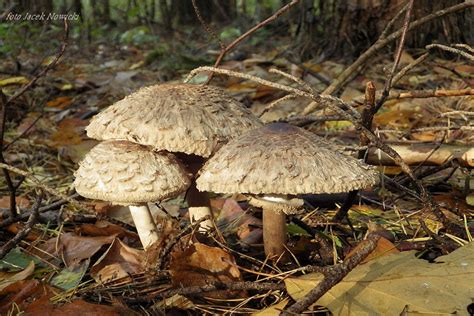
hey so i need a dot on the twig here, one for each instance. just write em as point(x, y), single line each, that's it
point(389, 25)
point(41, 185)
point(367, 118)
point(388, 82)
point(451, 50)
point(259, 286)
point(25, 213)
point(207, 27)
point(232, 45)
point(26, 230)
point(274, 103)
point(422, 94)
point(333, 276)
point(408, 67)
point(299, 120)
point(465, 46)
point(302, 83)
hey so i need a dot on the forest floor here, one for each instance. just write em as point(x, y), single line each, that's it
point(87, 253)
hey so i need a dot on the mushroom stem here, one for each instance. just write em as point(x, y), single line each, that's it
point(274, 233)
point(199, 207)
point(145, 225)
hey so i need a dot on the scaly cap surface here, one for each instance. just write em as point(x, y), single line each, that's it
point(194, 119)
point(129, 174)
point(283, 159)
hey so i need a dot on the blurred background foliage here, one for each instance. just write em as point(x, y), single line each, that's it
point(314, 28)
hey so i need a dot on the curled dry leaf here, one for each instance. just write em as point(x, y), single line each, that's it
point(200, 264)
point(234, 218)
point(118, 261)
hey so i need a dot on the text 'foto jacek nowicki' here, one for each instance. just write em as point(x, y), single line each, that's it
point(42, 16)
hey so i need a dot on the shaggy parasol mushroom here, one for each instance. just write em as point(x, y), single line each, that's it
point(129, 174)
point(181, 118)
point(276, 162)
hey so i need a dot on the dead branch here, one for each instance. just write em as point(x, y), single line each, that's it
point(451, 50)
point(398, 55)
point(206, 26)
point(421, 94)
point(409, 67)
point(367, 119)
point(26, 230)
point(41, 185)
point(333, 276)
point(426, 153)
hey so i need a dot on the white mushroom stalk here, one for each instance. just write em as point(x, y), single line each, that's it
point(145, 225)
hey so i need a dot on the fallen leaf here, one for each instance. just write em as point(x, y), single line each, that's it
point(13, 80)
point(21, 201)
point(200, 264)
point(176, 301)
point(78, 307)
point(70, 277)
point(16, 294)
point(60, 102)
point(234, 219)
point(69, 132)
point(384, 247)
point(104, 228)
point(8, 278)
point(386, 285)
point(117, 262)
point(74, 249)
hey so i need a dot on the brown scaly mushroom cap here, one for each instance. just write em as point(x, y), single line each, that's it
point(283, 159)
point(129, 174)
point(194, 119)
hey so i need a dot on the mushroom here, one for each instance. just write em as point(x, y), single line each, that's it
point(194, 120)
point(129, 174)
point(276, 162)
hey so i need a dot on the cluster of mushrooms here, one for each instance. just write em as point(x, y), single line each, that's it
point(156, 144)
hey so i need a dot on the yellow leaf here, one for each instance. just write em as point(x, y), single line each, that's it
point(13, 80)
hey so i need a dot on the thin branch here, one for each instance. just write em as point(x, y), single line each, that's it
point(451, 50)
point(206, 26)
point(26, 230)
point(409, 67)
point(41, 185)
point(333, 276)
point(388, 82)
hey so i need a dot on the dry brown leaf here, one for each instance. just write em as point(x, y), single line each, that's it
point(119, 261)
point(200, 264)
point(60, 102)
point(384, 248)
point(43, 306)
point(74, 249)
point(19, 292)
point(234, 218)
point(21, 201)
point(104, 228)
point(69, 132)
